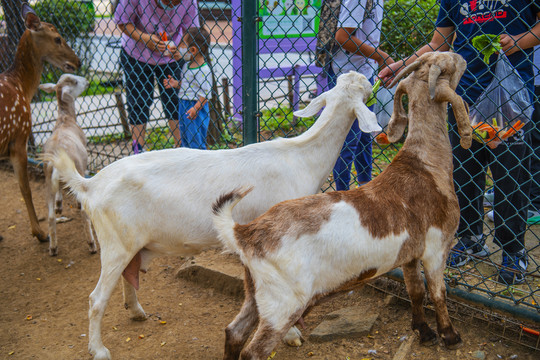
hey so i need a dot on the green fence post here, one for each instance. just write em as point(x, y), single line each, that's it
point(250, 76)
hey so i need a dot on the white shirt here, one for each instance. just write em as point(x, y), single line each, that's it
point(368, 25)
point(196, 82)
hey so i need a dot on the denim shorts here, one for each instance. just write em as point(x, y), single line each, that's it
point(140, 78)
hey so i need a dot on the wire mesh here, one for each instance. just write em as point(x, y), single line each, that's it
point(289, 76)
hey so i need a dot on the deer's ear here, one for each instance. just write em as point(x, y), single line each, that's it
point(31, 20)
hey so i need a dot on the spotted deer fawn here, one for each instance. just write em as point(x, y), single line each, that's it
point(39, 43)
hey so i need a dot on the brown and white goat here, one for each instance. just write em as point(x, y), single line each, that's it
point(39, 43)
point(69, 136)
point(301, 250)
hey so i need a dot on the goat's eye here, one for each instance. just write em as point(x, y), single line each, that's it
point(58, 40)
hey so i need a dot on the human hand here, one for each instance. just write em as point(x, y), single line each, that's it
point(153, 42)
point(388, 73)
point(170, 82)
point(509, 44)
point(192, 113)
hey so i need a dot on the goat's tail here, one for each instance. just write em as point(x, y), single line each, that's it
point(223, 220)
point(65, 166)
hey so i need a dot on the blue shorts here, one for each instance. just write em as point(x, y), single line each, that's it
point(139, 84)
point(193, 132)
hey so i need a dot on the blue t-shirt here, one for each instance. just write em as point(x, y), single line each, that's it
point(477, 17)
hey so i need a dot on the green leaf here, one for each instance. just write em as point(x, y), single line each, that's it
point(487, 44)
point(372, 99)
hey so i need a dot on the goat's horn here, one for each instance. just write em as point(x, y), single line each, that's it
point(26, 9)
point(409, 69)
point(434, 72)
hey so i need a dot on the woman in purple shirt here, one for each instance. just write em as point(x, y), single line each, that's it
point(146, 57)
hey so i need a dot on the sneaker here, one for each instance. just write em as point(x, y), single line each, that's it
point(533, 217)
point(489, 197)
point(490, 215)
point(466, 248)
point(514, 266)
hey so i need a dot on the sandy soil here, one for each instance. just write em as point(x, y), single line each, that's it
point(44, 305)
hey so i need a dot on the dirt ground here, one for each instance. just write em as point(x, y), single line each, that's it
point(44, 306)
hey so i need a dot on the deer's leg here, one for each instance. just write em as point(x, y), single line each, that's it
point(17, 154)
point(417, 291)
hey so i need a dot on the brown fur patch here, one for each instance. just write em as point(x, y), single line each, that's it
point(404, 197)
point(291, 218)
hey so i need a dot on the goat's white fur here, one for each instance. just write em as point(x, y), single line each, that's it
point(160, 202)
point(304, 248)
point(66, 135)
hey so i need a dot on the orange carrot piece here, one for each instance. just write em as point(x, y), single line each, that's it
point(163, 35)
point(382, 139)
point(513, 129)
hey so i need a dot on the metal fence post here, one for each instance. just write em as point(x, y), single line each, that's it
point(250, 76)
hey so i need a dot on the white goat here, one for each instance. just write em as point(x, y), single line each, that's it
point(69, 136)
point(303, 249)
point(160, 202)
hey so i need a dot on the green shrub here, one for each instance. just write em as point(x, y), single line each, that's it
point(407, 25)
point(74, 21)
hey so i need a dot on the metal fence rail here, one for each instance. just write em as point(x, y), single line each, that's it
point(264, 64)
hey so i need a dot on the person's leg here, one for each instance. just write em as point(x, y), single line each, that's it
point(534, 209)
point(139, 85)
point(169, 97)
point(512, 179)
point(183, 121)
point(469, 182)
point(363, 159)
point(342, 168)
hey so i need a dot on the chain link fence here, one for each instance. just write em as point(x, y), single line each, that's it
point(265, 65)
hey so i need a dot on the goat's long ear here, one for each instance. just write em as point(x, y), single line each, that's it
point(66, 96)
point(399, 119)
point(461, 112)
point(31, 20)
point(367, 121)
point(48, 87)
point(313, 107)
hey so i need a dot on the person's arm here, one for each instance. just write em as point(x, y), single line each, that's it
point(345, 37)
point(441, 40)
point(171, 83)
point(192, 112)
point(514, 43)
point(152, 41)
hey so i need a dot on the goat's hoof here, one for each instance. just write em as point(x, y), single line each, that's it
point(58, 211)
point(53, 251)
point(93, 249)
point(452, 341)
point(101, 354)
point(139, 317)
point(293, 337)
